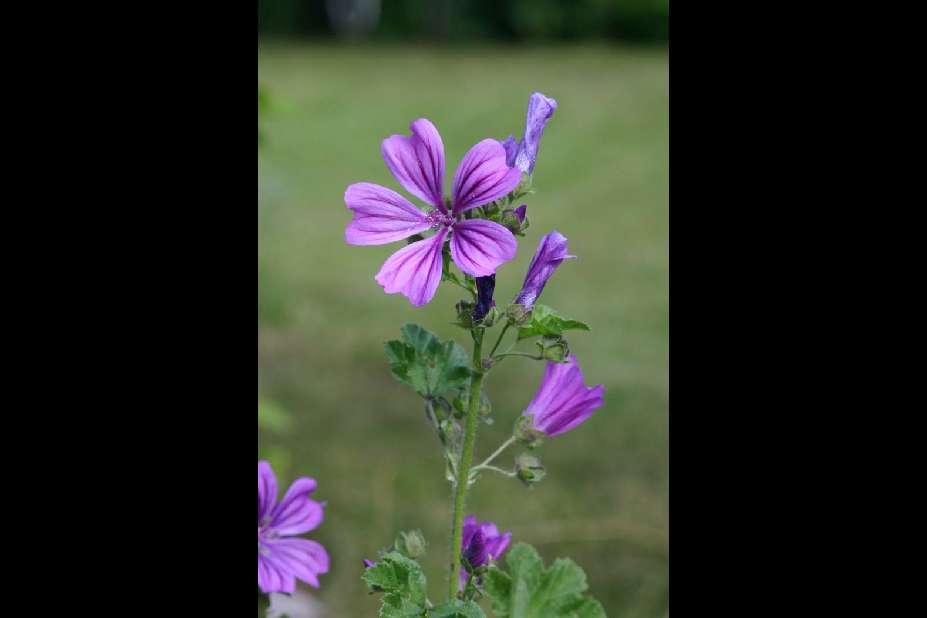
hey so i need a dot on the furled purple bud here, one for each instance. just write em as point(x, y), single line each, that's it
point(551, 251)
point(368, 563)
point(485, 286)
point(481, 543)
point(540, 109)
point(563, 401)
point(521, 212)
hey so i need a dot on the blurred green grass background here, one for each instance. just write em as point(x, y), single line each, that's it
point(336, 414)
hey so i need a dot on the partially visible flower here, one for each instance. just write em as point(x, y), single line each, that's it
point(485, 286)
point(563, 401)
point(524, 154)
point(481, 542)
point(552, 250)
point(381, 215)
point(282, 557)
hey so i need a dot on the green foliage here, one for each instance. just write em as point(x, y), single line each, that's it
point(528, 590)
point(425, 363)
point(402, 581)
point(271, 416)
point(547, 322)
point(457, 609)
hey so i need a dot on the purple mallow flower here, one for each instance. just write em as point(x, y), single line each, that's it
point(282, 557)
point(551, 251)
point(382, 216)
point(563, 401)
point(524, 154)
point(481, 542)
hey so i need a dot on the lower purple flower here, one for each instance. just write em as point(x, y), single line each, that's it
point(563, 401)
point(481, 542)
point(283, 557)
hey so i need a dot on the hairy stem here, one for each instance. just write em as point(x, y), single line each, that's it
point(508, 473)
point(466, 459)
point(524, 354)
point(498, 452)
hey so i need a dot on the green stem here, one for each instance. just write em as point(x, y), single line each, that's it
point(499, 340)
point(508, 473)
point(463, 467)
point(498, 452)
point(525, 354)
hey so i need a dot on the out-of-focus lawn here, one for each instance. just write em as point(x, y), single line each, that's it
point(601, 179)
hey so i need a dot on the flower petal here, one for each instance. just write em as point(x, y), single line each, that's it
point(417, 162)
point(380, 215)
point(297, 512)
point(303, 558)
point(479, 246)
point(563, 401)
point(267, 490)
point(274, 576)
point(511, 150)
point(414, 270)
point(552, 250)
point(483, 176)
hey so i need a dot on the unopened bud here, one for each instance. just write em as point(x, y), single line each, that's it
point(529, 469)
point(411, 544)
point(554, 349)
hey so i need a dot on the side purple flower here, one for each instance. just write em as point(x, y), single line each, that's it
point(563, 401)
point(382, 216)
point(552, 250)
point(524, 154)
point(481, 542)
point(282, 557)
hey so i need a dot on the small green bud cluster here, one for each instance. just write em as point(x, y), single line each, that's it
point(528, 468)
point(411, 544)
point(554, 348)
point(526, 434)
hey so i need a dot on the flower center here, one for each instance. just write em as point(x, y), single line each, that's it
point(438, 219)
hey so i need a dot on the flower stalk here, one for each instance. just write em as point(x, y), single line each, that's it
point(462, 482)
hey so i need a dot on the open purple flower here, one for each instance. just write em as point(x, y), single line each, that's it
point(481, 542)
point(282, 557)
point(524, 154)
point(552, 250)
point(563, 401)
point(382, 216)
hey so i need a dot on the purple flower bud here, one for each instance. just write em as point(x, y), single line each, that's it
point(563, 401)
point(485, 286)
point(521, 212)
point(368, 563)
point(540, 109)
point(481, 543)
point(551, 251)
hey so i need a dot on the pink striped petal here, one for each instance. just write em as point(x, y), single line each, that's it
point(479, 246)
point(267, 490)
point(483, 176)
point(297, 512)
point(417, 162)
point(380, 215)
point(414, 270)
point(303, 558)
